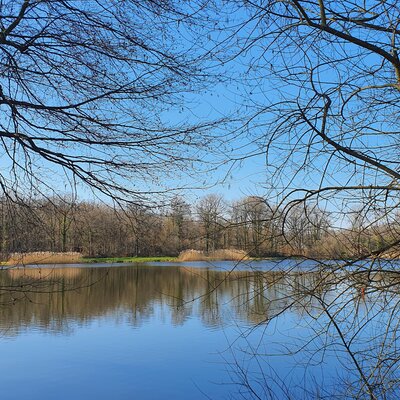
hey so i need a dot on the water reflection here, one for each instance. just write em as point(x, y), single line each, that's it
point(50, 298)
point(47, 297)
point(315, 311)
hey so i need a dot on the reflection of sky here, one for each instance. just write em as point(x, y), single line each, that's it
point(108, 359)
point(166, 347)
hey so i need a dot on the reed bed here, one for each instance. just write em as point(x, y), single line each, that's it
point(217, 255)
point(44, 257)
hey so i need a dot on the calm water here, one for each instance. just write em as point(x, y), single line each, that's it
point(180, 332)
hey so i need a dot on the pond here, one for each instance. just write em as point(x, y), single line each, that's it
point(198, 331)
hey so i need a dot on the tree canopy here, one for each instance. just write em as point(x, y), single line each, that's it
point(84, 89)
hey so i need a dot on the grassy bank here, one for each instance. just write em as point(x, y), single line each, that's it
point(33, 258)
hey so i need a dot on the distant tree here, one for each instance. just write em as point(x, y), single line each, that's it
point(239, 226)
point(305, 226)
point(180, 214)
point(251, 218)
point(257, 212)
point(210, 211)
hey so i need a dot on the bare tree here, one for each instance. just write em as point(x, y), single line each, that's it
point(322, 97)
point(251, 222)
point(210, 210)
point(180, 213)
point(84, 89)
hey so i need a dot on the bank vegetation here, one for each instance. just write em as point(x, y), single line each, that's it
point(63, 230)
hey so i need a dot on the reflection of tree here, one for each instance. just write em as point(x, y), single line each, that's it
point(322, 90)
point(326, 311)
point(47, 301)
point(348, 318)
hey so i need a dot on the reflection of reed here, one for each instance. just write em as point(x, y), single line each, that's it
point(44, 273)
point(135, 292)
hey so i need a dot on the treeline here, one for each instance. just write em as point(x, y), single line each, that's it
point(249, 224)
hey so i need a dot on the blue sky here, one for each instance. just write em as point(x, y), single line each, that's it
point(247, 84)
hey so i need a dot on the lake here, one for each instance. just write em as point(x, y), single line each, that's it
point(198, 330)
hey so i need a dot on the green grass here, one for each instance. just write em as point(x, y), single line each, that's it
point(126, 259)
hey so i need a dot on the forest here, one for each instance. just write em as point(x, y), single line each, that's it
point(251, 224)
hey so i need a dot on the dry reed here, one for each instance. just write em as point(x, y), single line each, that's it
point(44, 257)
point(222, 254)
